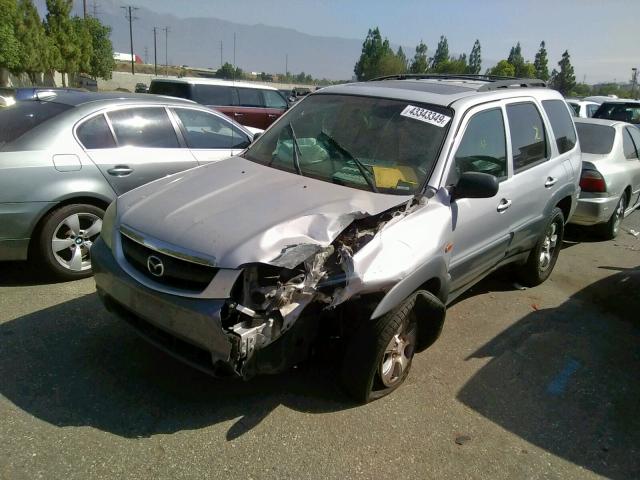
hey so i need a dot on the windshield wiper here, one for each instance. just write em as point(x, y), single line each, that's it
point(361, 167)
point(296, 150)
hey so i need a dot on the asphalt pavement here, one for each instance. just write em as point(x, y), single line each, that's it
point(535, 383)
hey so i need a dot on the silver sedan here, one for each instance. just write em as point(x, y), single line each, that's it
point(65, 156)
point(610, 180)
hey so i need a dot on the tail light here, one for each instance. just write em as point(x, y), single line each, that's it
point(592, 181)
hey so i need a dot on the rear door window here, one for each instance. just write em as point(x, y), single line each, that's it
point(596, 139)
point(22, 117)
point(143, 127)
point(273, 99)
point(528, 137)
point(561, 124)
point(635, 135)
point(220, 95)
point(250, 97)
point(628, 147)
point(95, 133)
point(207, 131)
point(483, 147)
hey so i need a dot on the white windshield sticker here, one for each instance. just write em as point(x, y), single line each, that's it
point(425, 115)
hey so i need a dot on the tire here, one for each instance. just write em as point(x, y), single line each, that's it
point(544, 255)
point(379, 355)
point(71, 230)
point(610, 230)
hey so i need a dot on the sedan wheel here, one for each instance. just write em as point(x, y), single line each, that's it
point(65, 240)
point(73, 238)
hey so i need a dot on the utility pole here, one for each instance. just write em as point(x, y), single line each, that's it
point(166, 50)
point(155, 52)
point(220, 53)
point(286, 65)
point(634, 81)
point(129, 16)
point(84, 8)
point(146, 55)
point(234, 50)
point(94, 8)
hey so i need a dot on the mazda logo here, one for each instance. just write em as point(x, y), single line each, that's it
point(155, 266)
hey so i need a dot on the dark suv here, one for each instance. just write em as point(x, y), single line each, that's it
point(621, 110)
point(247, 103)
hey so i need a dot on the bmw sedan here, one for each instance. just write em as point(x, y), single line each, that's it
point(65, 156)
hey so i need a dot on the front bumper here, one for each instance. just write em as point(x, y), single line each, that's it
point(189, 329)
point(591, 211)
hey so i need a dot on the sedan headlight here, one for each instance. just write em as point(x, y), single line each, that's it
point(108, 221)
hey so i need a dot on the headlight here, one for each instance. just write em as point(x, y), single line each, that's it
point(108, 222)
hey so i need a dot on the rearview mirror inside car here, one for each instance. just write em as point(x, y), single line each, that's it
point(475, 185)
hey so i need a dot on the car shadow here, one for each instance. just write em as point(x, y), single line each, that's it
point(21, 274)
point(74, 365)
point(567, 379)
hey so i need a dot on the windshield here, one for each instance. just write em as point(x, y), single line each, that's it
point(18, 119)
point(624, 112)
point(596, 139)
point(375, 144)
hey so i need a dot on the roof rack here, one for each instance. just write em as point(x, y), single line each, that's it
point(494, 82)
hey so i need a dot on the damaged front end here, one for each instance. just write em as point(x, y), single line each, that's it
point(291, 293)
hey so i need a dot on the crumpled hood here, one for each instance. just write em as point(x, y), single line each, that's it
point(236, 212)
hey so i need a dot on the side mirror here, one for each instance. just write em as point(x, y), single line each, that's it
point(256, 135)
point(475, 185)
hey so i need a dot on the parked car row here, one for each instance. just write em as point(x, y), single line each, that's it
point(358, 216)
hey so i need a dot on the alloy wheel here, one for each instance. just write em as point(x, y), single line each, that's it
point(72, 240)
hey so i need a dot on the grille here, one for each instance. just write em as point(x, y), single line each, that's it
point(178, 273)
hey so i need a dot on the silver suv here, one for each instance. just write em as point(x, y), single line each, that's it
point(357, 216)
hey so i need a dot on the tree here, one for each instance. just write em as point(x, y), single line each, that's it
point(515, 55)
point(377, 58)
point(581, 90)
point(442, 53)
point(228, 72)
point(402, 59)
point(9, 44)
point(419, 64)
point(32, 38)
point(526, 70)
point(503, 68)
point(60, 29)
point(84, 39)
point(101, 63)
point(453, 65)
point(564, 80)
point(541, 63)
point(475, 59)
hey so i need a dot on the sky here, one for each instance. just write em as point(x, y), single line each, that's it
point(602, 36)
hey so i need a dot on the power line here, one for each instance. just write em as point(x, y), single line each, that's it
point(129, 16)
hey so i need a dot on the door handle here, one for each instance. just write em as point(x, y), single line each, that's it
point(550, 182)
point(120, 171)
point(271, 115)
point(503, 205)
point(236, 114)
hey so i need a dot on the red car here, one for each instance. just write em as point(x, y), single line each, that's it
point(247, 103)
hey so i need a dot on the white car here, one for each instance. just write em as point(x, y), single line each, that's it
point(610, 180)
point(582, 108)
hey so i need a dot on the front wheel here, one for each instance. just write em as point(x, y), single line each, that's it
point(65, 240)
point(379, 355)
point(543, 257)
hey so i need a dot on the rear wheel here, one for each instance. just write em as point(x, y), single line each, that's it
point(379, 355)
point(65, 241)
point(543, 257)
point(611, 229)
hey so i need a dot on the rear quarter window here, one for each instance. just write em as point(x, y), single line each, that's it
point(561, 124)
point(171, 89)
point(22, 117)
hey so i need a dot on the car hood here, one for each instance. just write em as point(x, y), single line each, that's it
point(236, 212)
